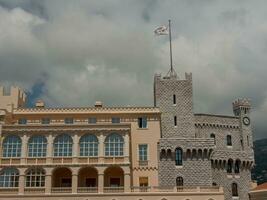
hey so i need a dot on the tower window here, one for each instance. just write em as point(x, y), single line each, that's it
point(234, 190)
point(213, 137)
point(229, 140)
point(248, 140)
point(68, 120)
point(178, 157)
point(174, 99)
point(179, 181)
point(229, 166)
point(175, 120)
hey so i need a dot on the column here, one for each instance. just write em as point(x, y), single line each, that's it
point(127, 182)
point(100, 180)
point(21, 180)
point(101, 148)
point(21, 183)
point(48, 181)
point(49, 148)
point(24, 148)
point(74, 184)
point(126, 147)
point(75, 148)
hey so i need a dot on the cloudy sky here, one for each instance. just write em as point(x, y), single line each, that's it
point(72, 53)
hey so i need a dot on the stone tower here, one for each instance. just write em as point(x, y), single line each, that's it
point(184, 159)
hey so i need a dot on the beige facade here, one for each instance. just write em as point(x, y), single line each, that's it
point(45, 153)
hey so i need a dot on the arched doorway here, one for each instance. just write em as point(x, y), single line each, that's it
point(62, 177)
point(114, 177)
point(88, 177)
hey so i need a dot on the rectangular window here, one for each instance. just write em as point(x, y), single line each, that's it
point(142, 122)
point(92, 120)
point(175, 120)
point(22, 121)
point(174, 99)
point(115, 120)
point(68, 120)
point(45, 120)
point(143, 181)
point(142, 152)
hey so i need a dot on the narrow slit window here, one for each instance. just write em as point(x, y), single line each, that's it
point(174, 99)
point(175, 120)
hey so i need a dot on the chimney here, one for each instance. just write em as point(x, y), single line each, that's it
point(98, 104)
point(39, 104)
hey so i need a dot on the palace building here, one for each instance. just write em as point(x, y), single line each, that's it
point(162, 152)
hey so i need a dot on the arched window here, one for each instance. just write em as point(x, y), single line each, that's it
point(9, 177)
point(212, 135)
point(237, 166)
point(63, 145)
point(229, 166)
point(114, 145)
point(12, 146)
point(234, 190)
point(229, 140)
point(88, 145)
point(35, 178)
point(178, 157)
point(37, 146)
point(179, 181)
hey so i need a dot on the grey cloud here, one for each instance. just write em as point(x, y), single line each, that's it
point(106, 50)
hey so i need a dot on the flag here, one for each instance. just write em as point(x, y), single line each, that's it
point(162, 30)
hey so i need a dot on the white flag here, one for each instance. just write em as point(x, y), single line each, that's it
point(162, 30)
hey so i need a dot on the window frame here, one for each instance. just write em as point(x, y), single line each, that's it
point(142, 122)
point(88, 147)
point(11, 149)
point(115, 120)
point(110, 146)
point(62, 148)
point(141, 156)
point(39, 147)
point(35, 177)
point(178, 157)
point(45, 120)
point(10, 179)
point(69, 120)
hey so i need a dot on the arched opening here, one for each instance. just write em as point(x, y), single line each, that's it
point(229, 166)
point(234, 190)
point(88, 177)
point(212, 136)
point(37, 146)
point(62, 177)
point(35, 177)
point(194, 154)
point(169, 154)
point(163, 154)
point(114, 145)
point(237, 166)
point(63, 145)
point(88, 145)
point(179, 183)
point(114, 177)
point(9, 177)
point(188, 154)
point(178, 157)
point(199, 154)
point(229, 140)
point(12, 146)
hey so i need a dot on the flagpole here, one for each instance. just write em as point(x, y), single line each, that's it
point(170, 37)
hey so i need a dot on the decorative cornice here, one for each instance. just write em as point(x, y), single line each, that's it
point(72, 127)
point(88, 110)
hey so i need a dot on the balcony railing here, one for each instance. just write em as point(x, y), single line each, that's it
point(113, 189)
point(135, 189)
point(34, 190)
point(61, 190)
point(87, 190)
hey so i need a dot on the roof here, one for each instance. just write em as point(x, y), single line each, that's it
point(261, 187)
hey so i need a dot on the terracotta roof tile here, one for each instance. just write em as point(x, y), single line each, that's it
point(261, 187)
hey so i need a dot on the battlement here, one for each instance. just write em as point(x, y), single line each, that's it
point(241, 105)
point(14, 97)
point(188, 76)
